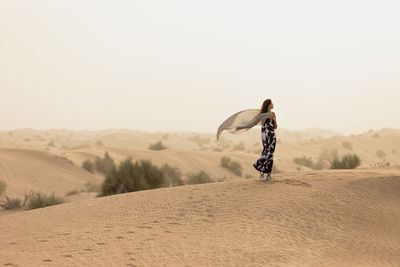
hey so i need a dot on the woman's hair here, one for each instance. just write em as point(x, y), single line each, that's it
point(265, 105)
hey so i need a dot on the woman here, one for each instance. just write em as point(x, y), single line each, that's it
point(245, 120)
point(268, 137)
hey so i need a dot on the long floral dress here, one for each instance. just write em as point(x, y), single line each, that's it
point(268, 137)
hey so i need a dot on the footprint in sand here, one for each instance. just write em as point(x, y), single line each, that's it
point(68, 256)
point(47, 260)
point(10, 264)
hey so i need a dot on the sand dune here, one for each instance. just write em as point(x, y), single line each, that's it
point(29, 170)
point(319, 218)
point(42, 153)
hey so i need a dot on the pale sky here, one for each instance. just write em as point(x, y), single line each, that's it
point(188, 65)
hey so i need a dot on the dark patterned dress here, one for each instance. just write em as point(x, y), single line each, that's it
point(268, 137)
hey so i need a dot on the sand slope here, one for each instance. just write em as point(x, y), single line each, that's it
point(24, 170)
point(331, 218)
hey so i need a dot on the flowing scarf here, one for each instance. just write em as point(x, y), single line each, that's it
point(242, 121)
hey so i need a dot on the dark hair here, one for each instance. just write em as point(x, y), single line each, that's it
point(265, 105)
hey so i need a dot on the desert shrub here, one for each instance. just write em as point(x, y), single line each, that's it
point(129, 177)
point(239, 146)
point(172, 175)
point(51, 144)
point(225, 161)
point(3, 187)
point(40, 200)
point(348, 161)
point(380, 153)
point(220, 179)
point(198, 178)
point(381, 164)
point(88, 165)
point(319, 165)
point(157, 146)
point(375, 135)
point(105, 164)
point(323, 161)
point(233, 166)
point(304, 161)
point(236, 168)
point(92, 187)
point(347, 145)
point(11, 203)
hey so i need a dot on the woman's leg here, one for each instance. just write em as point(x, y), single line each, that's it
point(271, 150)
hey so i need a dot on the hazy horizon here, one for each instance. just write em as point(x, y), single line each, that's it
point(186, 66)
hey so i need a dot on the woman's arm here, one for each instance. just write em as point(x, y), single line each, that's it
point(274, 120)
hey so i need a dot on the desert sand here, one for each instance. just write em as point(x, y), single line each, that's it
point(51, 161)
point(304, 217)
point(319, 218)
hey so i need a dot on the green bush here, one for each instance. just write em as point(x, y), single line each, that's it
point(348, 161)
point(172, 175)
point(104, 165)
point(225, 161)
point(3, 187)
point(233, 166)
point(92, 187)
point(198, 178)
point(39, 200)
point(304, 161)
point(129, 177)
point(12, 203)
point(88, 165)
point(157, 146)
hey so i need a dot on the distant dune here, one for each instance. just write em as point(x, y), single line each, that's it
point(41, 160)
point(28, 170)
point(318, 218)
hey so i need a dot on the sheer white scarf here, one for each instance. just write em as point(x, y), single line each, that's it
point(243, 121)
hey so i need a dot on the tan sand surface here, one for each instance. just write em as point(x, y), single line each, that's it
point(41, 160)
point(318, 218)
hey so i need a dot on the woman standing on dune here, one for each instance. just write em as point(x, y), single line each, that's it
point(268, 137)
point(246, 119)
